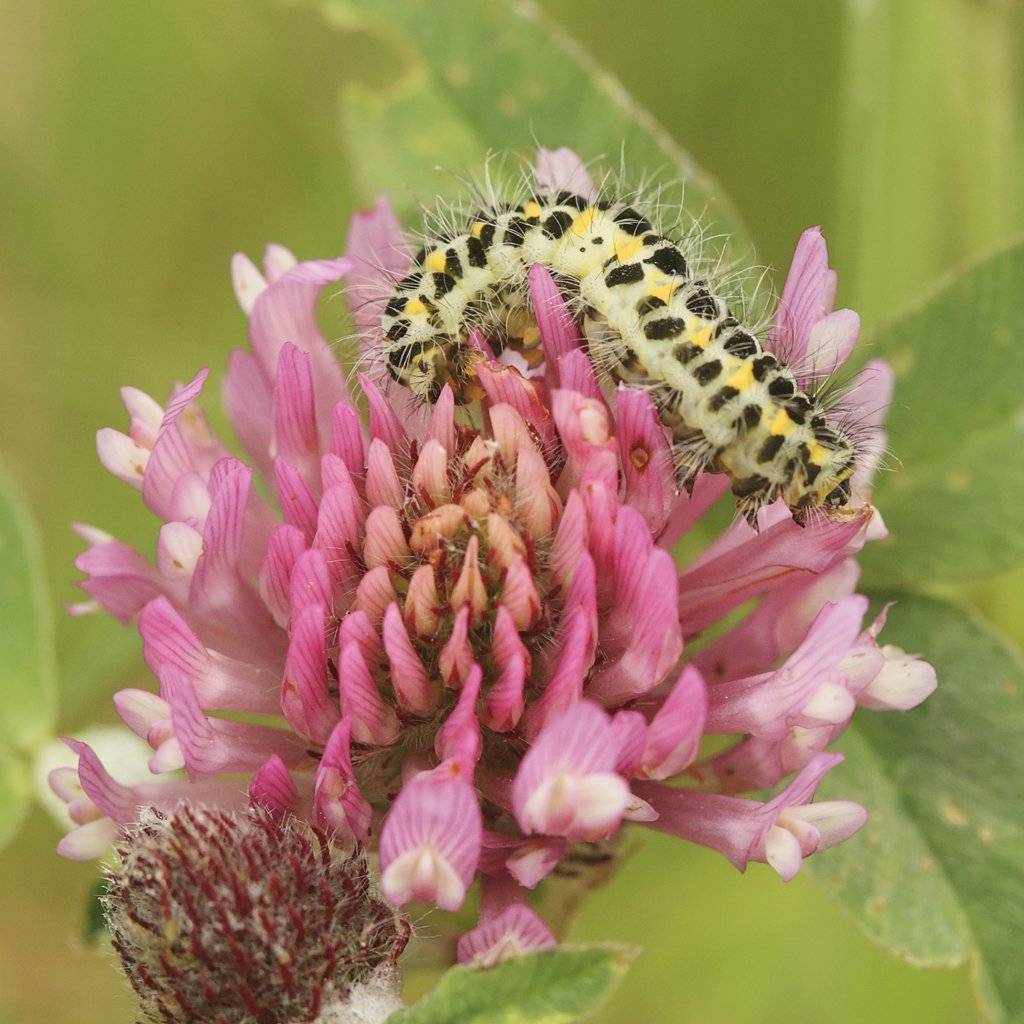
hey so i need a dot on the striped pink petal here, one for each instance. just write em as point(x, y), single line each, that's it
point(338, 805)
point(272, 787)
point(430, 844)
point(306, 699)
point(515, 931)
point(566, 784)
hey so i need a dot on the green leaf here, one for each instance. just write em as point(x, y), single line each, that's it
point(550, 987)
point(465, 83)
point(938, 71)
point(957, 428)
point(940, 865)
point(887, 876)
point(15, 794)
point(27, 668)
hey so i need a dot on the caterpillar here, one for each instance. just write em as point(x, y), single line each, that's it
point(731, 406)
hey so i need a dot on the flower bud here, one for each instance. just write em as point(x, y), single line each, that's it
point(243, 917)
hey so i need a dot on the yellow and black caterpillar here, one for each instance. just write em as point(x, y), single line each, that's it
point(731, 406)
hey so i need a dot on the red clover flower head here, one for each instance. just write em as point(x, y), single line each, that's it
point(237, 916)
point(459, 636)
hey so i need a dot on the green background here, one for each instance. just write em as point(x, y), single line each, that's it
point(142, 143)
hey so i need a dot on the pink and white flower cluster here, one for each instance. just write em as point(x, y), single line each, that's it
point(460, 636)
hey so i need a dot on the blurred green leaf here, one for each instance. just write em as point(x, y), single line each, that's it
point(27, 669)
point(957, 427)
point(500, 78)
point(550, 987)
point(917, 74)
point(15, 794)
point(887, 876)
point(948, 790)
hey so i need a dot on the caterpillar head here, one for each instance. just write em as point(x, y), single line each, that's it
point(838, 497)
point(427, 372)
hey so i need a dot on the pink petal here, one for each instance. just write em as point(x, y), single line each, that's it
point(305, 690)
point(310, 582)
point(414, 690)
point(459, 740)
point(510, 433)
point(903, 683)
point(565, 687)
point(214, 745)
point(516, 931)
point(430, 474)
point(539, 504)
point(777, 626)
point(743, 830)
point(286, 312)
point(457, 656)
point(673, 736)
point(298, 502)
point(534, 861)
point(807, 287)
point(347, 439)
point(646, 458)
point(89, 841)
point(384, 424)
point(430, 844)
point(422, 603)
point(224, 608)
point(272, 787)
point(382, 484)
point(558, 329)
point(249, 283)
point(505, 385)
point(295, 420)
point(766, 706)
point(629, 733)
point(338, 806)
point(504, 543)
point(356, 628)
point(184, 445)
point(121, 456)
point(831, 343)
point(442, 420)
point(718, 582)
point(576, 373)
point(285, 545)
point(373, 721)
point(505, 700)
point(339, 531)
point(179, 547)
point(433, 532)
point(385, 542)
point(470, 590)
point(277, 261)
point(562, 169)
point(219, 681)
point(374, 593)
point(570, 540)
point(566, 784)
point(592, 452)
point(120, 579)
point(380, 256)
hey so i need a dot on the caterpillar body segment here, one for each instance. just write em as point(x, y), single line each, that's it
point(731, 406)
